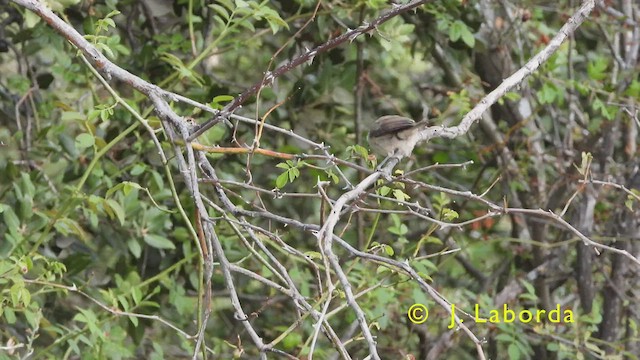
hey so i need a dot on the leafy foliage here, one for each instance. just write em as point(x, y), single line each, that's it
point(104, 251)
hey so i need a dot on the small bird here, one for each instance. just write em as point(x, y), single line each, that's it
point(394, 135)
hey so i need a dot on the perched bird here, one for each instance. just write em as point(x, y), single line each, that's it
point(394, 135)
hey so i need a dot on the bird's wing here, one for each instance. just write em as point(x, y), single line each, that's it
point(391, 124)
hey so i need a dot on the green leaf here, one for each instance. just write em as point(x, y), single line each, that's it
point(425, 266)
point(313, 255)
point(134, 247)
point(384, 190)
point(68, 145)
point(400, 195)
point(134, 321)
point(26, 208)
point(109, 23)
point(629, 202)
point(227, 3)
point(9, 314)
point(136, 295)
point(128, 186)
point(179, 66)
point(72, 116)
point(634, 89)
point(217, 100)
point(138, 169)
point(67, 226)
point(607, 111)
point(84, 141)
point(431, 240)
point(221, 11)
point(548, 93)
point(11, 219)
point(333, 177)
point(247, 25)
point(597, 69)
point(529, 287)
point(15, 292)
point(399, 229)
point(505, 338)
point(441, 200)
point(359, 150)
point(27, 185)
point(117, 210)
point(455, 30)
point(449, 214)
point(514, 352)
point(585, 164)
point(468, 38)
point(272, 17)
point(30, 19)
point(294, 173)
point(282, 179)
point(158, 242)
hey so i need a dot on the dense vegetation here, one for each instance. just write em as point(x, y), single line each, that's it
point(130, 230)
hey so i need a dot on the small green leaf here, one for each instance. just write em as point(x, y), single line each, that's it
point(425, 266)
point(468, 39)
point(222, 98)
point(15, 292)
point(333, 176)
point(220, 10)
point(117, 209)
point(282, 179)
point(449, 214)
point(585, 164)
point(431, 240)
point(68, 144)
point(9, 314)
point(136, 295)
point(634, 89)
point(72, 116)
point(227, 3)
point(597, 69)
point(505, 338)
point(109, 22)
point(138, 169)
point(128, 186)
point(384, 190)
point(629, 202)
point(158, 242)
point(313, 255)
point(514, 352)
point(134, 247)
point(11, 219)
point(359, 150)
point(295, 173)
point(400, 195)
point(134, 321)
point(84, 141)
point(247, 25)
point(455, 30)
point(548, 93)
point(68, 226)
